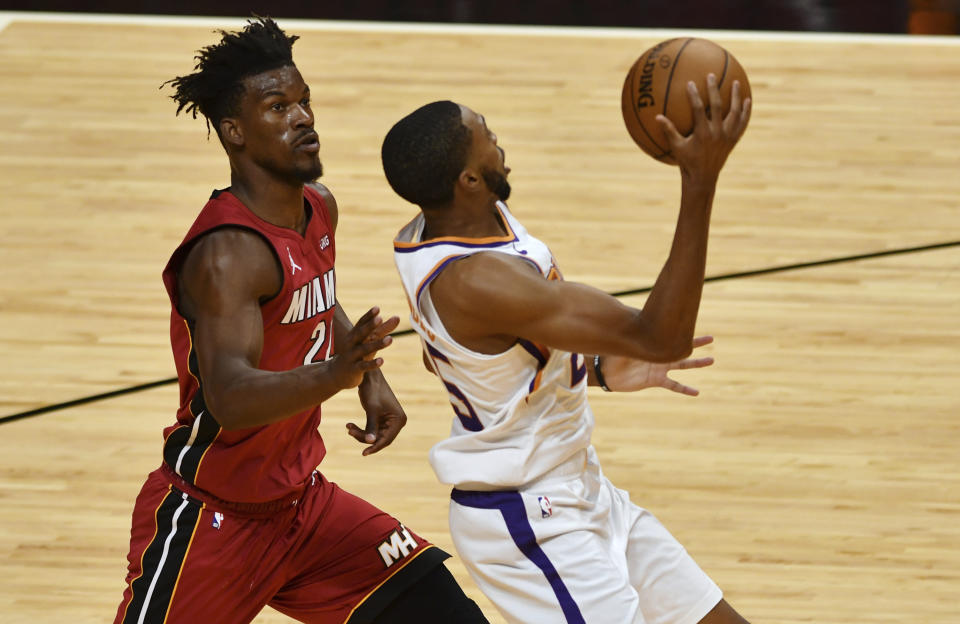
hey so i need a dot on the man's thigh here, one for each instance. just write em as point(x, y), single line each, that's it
point(543, 556)
point(671, 586)
point(352, 561)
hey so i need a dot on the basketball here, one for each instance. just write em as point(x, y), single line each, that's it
point(657, 83)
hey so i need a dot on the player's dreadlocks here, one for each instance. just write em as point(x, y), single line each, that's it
point(216, 87)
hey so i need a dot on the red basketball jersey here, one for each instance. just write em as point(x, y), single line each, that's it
point(269, 462)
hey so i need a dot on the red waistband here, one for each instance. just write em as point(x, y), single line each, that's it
point(262, 509)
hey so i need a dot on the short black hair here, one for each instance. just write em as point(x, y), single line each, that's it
point(424, 153)
point(216, 87)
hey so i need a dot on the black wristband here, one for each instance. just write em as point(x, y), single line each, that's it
point(596, 373)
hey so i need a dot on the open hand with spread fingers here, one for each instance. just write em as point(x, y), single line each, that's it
point(357, 354)
point(624, 374)
point(704, 151)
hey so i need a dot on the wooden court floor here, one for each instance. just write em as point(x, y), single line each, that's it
point(816, 478)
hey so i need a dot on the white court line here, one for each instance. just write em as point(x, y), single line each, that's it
point(478, 29)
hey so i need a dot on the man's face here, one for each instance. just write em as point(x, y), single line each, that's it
point(277, 124)
point(486, 155)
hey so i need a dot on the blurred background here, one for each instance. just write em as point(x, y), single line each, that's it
point(860, 16)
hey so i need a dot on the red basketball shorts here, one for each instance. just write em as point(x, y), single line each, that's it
point(325, 557)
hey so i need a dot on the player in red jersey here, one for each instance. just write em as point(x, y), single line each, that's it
point(237, 517)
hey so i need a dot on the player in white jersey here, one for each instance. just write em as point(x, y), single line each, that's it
point(543, 533)
point(524, 409)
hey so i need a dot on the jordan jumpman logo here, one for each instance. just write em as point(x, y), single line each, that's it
point(293, 265)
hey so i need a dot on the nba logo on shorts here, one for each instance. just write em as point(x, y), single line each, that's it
point(217, 520)
point(545, 509)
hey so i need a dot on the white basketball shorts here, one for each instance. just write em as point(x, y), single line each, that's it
point(577, 551)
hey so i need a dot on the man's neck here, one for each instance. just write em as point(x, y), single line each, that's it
point(272, 200)
point(463, 221)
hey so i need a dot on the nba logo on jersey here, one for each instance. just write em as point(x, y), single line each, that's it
point(217, 520)
point(545, 509)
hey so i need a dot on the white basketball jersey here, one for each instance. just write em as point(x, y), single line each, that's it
point(519, 415)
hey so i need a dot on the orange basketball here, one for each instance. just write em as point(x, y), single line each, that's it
point(657, 83)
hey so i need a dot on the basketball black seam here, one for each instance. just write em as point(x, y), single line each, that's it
point(636, 114)
point(666, 92)
point(726, 64)
point(646, 132)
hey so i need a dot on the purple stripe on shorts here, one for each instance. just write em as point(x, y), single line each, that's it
point(514, 514)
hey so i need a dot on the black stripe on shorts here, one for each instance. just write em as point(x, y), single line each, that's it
point(176, 520)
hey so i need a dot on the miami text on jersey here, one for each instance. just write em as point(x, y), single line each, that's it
point(316, 296)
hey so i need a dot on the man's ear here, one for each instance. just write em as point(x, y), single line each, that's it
point(469, 180)
point(230, 132)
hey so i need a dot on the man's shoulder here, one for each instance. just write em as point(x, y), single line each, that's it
point(231, 245)
point(318, 193)
point(319, 188)
point(321, 191)
point(481, 272)
point(237, 258)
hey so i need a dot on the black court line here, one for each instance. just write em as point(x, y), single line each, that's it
point(803, 265)
point(622, 293)
point(88, 399)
